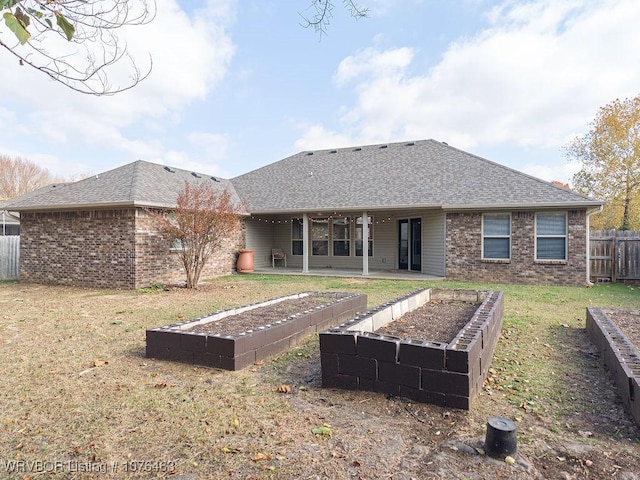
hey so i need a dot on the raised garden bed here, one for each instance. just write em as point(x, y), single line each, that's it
point(449, 374)
point(619, 354)
point(233, 339)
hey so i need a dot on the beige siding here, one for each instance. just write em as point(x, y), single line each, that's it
point(433, 242)
point(385, 243)
point(259, 238)
point(275, 232)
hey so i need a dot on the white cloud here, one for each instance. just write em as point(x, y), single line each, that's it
point(191, 55)
point(373, 63)
point(534, 78)
point(316, 137)
point(211, 146)
point(562, 171)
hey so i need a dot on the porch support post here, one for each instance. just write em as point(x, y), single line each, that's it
point(365, 243)
point(305, 243)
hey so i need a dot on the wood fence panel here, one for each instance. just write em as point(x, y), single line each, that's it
point(614, 255)
point(628, 253)
point(9, 257)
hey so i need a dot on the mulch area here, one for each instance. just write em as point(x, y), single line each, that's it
point(261, 316)
point(629, 322)
point(436, 321)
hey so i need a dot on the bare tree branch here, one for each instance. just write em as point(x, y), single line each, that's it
point(42, 28)
point(323, 13)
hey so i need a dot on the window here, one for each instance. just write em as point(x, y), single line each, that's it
point(359, 236)
point(297, 229)
point(320, 236)
point(551, 236)
point(341, 237)
point(496, 236)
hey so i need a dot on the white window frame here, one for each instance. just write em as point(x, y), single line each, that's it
point(295, 239)
point(327, 239)
point(497, 214)
point(347, 239)
point(565, 236)
point(358, 225)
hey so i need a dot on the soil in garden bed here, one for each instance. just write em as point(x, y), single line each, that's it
point(629, 322)
point(436, 321)
point(261, 316)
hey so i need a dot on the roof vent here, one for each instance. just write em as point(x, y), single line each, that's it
point(333, 151)
point(309, 153)
point(168, 169)
point(384, 146)
point(445, 143)
point(215, 179)
point(357, 149)
point(195, 175)
point(411, 144)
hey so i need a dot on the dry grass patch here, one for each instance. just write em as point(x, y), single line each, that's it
point(78, 391)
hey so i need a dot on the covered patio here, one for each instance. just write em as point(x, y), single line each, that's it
point(348, 273)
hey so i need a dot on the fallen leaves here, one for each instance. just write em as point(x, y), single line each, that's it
point(283, 388)
point(227, 449)
point(258, 457)
point(324, 430)
point(95, 364)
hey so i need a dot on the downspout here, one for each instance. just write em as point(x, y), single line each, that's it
point(588, 246)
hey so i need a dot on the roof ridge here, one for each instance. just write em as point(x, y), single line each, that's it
point(133, 186)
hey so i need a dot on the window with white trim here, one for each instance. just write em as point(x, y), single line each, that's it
point(551, 236)
point(359, 232)
point(341, 237)
point(320, 236)
point(297, 234)
point(496, 236)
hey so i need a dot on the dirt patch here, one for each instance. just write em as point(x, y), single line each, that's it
point(257, 317)
point(629, 322)
point(436, 321)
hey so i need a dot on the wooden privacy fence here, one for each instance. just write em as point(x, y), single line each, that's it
point(614, 255)
point(9, 257)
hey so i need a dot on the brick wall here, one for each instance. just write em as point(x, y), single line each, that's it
point(84, 248)
point(107, 249)
point(156, 263)
point(464, 252)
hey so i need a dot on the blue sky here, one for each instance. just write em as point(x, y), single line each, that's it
point(240, 84)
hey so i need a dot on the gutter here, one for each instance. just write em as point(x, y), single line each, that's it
point(445, 208)
point(588, 247)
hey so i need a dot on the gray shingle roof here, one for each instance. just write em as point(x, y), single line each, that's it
point(136, 184)
point(424, 173)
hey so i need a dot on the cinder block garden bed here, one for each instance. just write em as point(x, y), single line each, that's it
point(449, 374)
point(618, 352)
point(235, 338)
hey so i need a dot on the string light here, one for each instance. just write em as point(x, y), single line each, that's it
point(321, 219)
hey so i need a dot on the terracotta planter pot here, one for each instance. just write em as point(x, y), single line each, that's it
point(245, 261)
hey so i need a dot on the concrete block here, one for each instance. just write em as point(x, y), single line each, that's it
point(380, 347)
point(340, 342)
point(422, 353)
point(358, 367)
point(406, 375)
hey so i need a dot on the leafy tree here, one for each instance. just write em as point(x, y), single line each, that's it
point(323, 12)
point(33, 26)
point(610, 157)
point(201, 222)
point(19, 176)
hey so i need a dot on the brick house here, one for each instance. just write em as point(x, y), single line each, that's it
point(98, 232)
point(420, 206)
